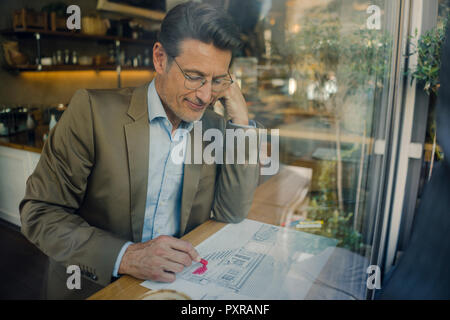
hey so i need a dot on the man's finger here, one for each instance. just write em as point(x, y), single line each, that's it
point(194, 255)
point(179, 257)
point(174, 267)
point(166, 277)
point(185, 246)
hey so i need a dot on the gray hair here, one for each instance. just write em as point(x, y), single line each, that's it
point(198, 21)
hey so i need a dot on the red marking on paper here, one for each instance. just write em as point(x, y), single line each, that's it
point(202, 269)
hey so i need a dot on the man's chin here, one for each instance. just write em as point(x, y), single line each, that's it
point(195, 117)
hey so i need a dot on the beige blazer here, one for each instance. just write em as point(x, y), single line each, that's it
point(87, 195)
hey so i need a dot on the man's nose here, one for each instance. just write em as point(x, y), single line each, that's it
point(204, 93)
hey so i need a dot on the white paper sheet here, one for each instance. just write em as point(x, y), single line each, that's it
point(253, 260)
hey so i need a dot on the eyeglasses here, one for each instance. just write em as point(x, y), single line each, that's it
point(196, 82)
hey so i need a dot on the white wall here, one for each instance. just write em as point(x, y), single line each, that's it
point(15, 168)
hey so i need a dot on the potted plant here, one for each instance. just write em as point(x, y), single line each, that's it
point(426, 73)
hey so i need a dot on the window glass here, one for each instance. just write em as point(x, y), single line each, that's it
point(319, 72)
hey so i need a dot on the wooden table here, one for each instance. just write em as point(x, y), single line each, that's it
point(274, 201)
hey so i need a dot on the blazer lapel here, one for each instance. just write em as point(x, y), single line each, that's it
point(190, 183)
point(137, 140)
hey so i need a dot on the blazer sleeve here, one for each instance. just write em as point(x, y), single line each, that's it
point(55, 191)
point(236, 183)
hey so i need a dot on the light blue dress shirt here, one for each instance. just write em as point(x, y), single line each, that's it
point(165, 177)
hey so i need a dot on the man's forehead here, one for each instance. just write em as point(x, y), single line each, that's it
point(203, 57)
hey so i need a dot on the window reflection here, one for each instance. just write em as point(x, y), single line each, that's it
point(319, 72)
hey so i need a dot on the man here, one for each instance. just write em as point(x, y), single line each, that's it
point(106, 195)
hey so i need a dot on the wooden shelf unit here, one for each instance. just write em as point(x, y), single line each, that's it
point(38, 34)
point(22, 68)
point(75, 34)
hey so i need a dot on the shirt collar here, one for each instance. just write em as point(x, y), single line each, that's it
point(156, 109)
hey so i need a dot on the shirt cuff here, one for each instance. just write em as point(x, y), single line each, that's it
point(251, 124)
point(119, 258)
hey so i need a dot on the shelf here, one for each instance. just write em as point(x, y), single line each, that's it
point(74, 34)
point(30, 33)
point(77, 68)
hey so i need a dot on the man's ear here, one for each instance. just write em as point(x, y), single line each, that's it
point(159, 58)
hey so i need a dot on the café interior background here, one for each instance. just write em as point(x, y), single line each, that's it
point(52, 88)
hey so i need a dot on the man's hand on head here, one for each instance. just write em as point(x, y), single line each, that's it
point(235, 105)
point(158, 259)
